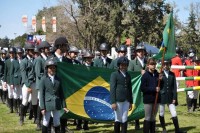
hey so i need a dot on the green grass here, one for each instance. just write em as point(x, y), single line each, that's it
point(9, 123)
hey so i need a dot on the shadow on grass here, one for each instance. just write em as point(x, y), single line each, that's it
point(184, 129)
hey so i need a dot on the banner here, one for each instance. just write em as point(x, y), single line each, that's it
point(24, 20)
point(34, 23)
point(37, 39)
point(54, 24)
point(43, 24)
point(87, 93)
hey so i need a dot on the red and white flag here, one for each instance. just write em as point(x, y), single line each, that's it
point(43, 24)
point(34, 23)
point(24, 20)
point(54, 24)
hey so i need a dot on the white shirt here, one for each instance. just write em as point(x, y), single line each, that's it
point(59, 56)
point(52, 78)
point(104, 59)
point(141, 61)
point(166, 73)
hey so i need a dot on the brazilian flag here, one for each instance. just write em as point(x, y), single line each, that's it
point(87, 93)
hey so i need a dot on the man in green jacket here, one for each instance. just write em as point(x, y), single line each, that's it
point(28, 80)
point(138, 64)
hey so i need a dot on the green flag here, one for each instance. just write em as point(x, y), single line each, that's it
point(168, 40)
point(87, 93)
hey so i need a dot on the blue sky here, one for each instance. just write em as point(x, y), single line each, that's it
point(11, 12)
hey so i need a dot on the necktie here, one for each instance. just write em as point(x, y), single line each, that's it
point(52, 80)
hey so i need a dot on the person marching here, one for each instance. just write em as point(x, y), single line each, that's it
point(51, 97)
point(61, 45)
point(168, 95)
point(1, 78)
point(122, 51)
point(149, 87)
point(39, 65)
point(71, 58)
point(11, 81)
point(121, 94)
point(28, 80)
point(19, 53)
point(103, 60)
point(138, 65)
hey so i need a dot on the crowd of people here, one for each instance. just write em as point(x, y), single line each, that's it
point(29, 83)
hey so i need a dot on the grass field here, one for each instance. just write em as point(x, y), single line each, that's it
point(9, 123)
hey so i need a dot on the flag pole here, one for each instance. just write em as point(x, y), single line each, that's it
point(159, 80)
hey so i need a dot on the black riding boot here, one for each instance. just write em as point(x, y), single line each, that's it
point(79, 125)
point(15, 105)
point(85, 125)
point(35, 107)
point(152, 126)
point(162, 123)
point(10, 104)
point(117, 127)
point(1, 95)
point(146, 126)
point(124, 127)
point(39, 118)
point(57, 129)
point(19, 102)
point(44, 129)
point(176, 125)
point(22, 112)
point(137, 124)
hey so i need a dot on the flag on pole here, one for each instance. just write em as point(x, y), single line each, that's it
point(43, 24)
point(168, 40)
point(24, 20)
point(54, 24)
point(87, 93)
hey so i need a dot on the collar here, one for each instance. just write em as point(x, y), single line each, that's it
point(59, 56)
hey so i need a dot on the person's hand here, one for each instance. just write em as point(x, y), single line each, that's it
point(160, 76)
point(29, 90)
point(142, 72)
point(66, 110)
point(157, 89)
point(5, 85)
point(114, 106)
point(130, 107)
point(43, 112)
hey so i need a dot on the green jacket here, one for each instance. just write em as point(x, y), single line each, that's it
point(168, 88)
point(39, 64)
point(135, 65)
point(16, 77)
point(51, 95)
point(120, 87)
point(98, 62)
point(113, 64)
point(27, 72)
point(1, 70)
point(8, 67)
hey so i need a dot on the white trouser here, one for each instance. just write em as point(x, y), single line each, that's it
point(148, 109)
point(12, 92)
point(121, 113)
point(56, 118)
point(4, 88)
point(27, 96)
point(172, 109)
point(18, 90)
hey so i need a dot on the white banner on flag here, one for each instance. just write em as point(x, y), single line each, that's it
point(34, 23)
point(24, 20)
point(54, 24)
point(43, 24)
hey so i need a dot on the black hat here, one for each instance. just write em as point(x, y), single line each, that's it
point(61, 41)
point(12, 49)
point(122, 60)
